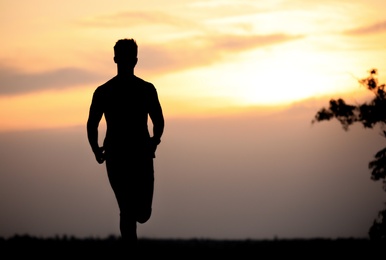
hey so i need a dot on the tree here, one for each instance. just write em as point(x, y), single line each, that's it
point(369, 114)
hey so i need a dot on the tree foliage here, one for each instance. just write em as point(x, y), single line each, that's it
point(369, 114)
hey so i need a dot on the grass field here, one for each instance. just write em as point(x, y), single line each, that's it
point(112, 247)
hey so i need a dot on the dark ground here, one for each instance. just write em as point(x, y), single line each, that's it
point(112, 247)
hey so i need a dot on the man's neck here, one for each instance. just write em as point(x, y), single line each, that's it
point(125, 71)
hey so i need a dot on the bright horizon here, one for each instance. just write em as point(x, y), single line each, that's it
point(239, 82)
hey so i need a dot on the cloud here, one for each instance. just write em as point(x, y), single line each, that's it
point(133, 18)
point(204, 46)
point(200, 44)
point(370, 29)
point(245, 42)
point(203, 50)
point(14, 81)
point(176, 56)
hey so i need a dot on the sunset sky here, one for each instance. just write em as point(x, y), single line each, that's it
point(226, 72)
point(203, 56)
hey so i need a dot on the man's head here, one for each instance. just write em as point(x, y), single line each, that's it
point(125, 52)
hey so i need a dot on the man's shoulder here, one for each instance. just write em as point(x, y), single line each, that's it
point(107, 83)
point(105, 86)
point(144, 82)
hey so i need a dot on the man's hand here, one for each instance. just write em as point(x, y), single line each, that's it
point(154, 142)
point(100, 154)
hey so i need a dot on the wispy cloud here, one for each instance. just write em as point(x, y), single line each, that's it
point(154, 59)
point(14, 81)
point(204, 50)
point(134, 18)
point(198, 43)
point(231, 43)
point(370, 29)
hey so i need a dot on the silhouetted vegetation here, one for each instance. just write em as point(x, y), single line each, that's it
point(112, 247)
point(369, 114)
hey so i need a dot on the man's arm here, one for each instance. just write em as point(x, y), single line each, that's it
point(94, 117)
point(157, 118)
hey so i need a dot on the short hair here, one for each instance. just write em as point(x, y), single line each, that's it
point(126, 48)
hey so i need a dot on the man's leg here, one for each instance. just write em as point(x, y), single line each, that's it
point(145, 191)
point(122, 185)
point(128, 228)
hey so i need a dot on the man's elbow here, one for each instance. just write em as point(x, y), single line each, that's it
point(91, 125)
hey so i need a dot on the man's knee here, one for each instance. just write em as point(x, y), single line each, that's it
point(144, 216)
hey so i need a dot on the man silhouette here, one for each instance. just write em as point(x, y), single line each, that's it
point(127, 101)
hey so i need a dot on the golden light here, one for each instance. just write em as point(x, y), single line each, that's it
point(277, 75)
point(47, 109)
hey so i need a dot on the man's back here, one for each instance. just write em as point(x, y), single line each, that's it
point(126, 103)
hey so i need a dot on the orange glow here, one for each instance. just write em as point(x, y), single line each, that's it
point(45, 109)
point(204, 58)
